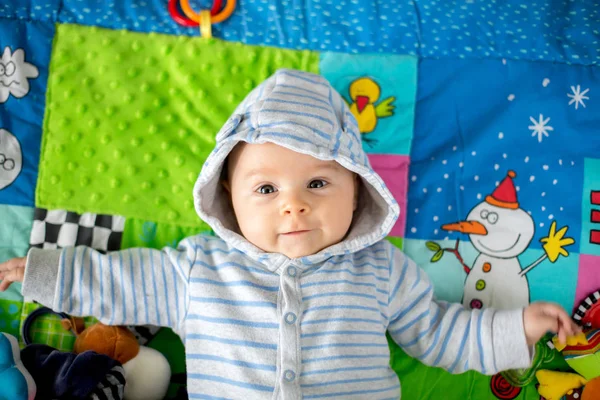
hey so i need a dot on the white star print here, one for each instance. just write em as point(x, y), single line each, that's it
point(578, 96)
point(540, 128)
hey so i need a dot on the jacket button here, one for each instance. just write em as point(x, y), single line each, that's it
point(289, 375)
point(290, 318)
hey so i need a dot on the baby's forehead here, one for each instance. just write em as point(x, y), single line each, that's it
point(266, 156)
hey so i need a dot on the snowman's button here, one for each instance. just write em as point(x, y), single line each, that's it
point(476, 304)
point(480, 285)
point(487, 267)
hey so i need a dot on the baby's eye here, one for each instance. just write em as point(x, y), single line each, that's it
point(317, 184)
point(266, 189)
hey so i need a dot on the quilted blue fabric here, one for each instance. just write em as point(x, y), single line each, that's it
point(551, 30)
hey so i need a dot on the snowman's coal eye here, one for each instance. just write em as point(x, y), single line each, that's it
point(493, 218)
point(484, 214)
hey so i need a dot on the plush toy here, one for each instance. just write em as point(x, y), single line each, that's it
point(147, 371)
point(15, 381)
point(592, 390)
point(116, 342)
point(582, 353)
point(588, 312)
point(554, 385)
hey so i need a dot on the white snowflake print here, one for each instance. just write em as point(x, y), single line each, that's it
point(578, 96)
point(540, 128)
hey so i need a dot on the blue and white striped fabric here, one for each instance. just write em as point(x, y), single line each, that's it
point(259, 325)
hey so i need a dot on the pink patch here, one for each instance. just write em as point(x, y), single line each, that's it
point(588, 280)
point(393, 169)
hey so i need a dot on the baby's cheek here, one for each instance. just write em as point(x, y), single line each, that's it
point(341, 219)
point(259, 231)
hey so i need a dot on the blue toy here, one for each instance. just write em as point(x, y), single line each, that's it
point(15, 381)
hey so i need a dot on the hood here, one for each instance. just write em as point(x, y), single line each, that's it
point(302, 112)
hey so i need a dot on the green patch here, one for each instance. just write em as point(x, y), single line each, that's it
point(396, 241)
point(149, 234)
point(131, 117)
point(10, 312)
point(419, 381)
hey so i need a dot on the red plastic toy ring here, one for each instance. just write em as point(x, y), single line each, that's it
point(182, 20)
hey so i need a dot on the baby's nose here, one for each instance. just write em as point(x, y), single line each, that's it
point(295, 210)
point(295, 207)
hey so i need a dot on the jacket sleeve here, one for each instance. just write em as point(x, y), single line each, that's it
point(136, 286)
point(447, 335)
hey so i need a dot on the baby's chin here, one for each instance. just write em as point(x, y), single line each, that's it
point(299, 246)
point(295, 252)
point(302, 250)
point(298, 254)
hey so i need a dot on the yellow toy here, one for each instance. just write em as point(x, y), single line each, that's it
point(582, 354)
point(579, 339)
point(554, 385)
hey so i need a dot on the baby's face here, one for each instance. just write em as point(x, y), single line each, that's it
point(287, 202)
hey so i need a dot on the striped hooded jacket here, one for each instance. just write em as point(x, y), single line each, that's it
point(259, 325)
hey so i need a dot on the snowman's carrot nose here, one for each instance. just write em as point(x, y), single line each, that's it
point(468, 227)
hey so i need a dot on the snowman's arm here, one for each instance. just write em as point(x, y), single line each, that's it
point(456, 252)
point(461, 261)
point(554, 245)
point(533, 265)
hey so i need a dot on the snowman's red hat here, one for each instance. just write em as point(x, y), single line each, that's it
point(505, 195)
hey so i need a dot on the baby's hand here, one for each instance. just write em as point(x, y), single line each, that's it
point(539, 318)
point(12, 271)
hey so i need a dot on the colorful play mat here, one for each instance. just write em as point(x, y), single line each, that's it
point(469, 111)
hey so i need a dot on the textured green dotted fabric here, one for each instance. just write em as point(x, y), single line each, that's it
point(9, 316)
point(131, 117)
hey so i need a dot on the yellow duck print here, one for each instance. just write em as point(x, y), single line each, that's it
point(364, 93)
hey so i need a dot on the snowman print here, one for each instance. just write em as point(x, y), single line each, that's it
point(500, 230)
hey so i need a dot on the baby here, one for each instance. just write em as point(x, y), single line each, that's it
point(295, 297)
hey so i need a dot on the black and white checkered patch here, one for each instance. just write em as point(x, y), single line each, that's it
point(55, 229)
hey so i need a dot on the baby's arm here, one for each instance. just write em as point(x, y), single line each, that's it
point(136, 286)
point(447, 335)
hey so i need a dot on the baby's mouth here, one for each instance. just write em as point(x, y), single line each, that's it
point(295, 233)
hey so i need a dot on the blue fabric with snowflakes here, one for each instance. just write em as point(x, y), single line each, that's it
point(477, 119)
point(28, 10)
point(552, 30)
